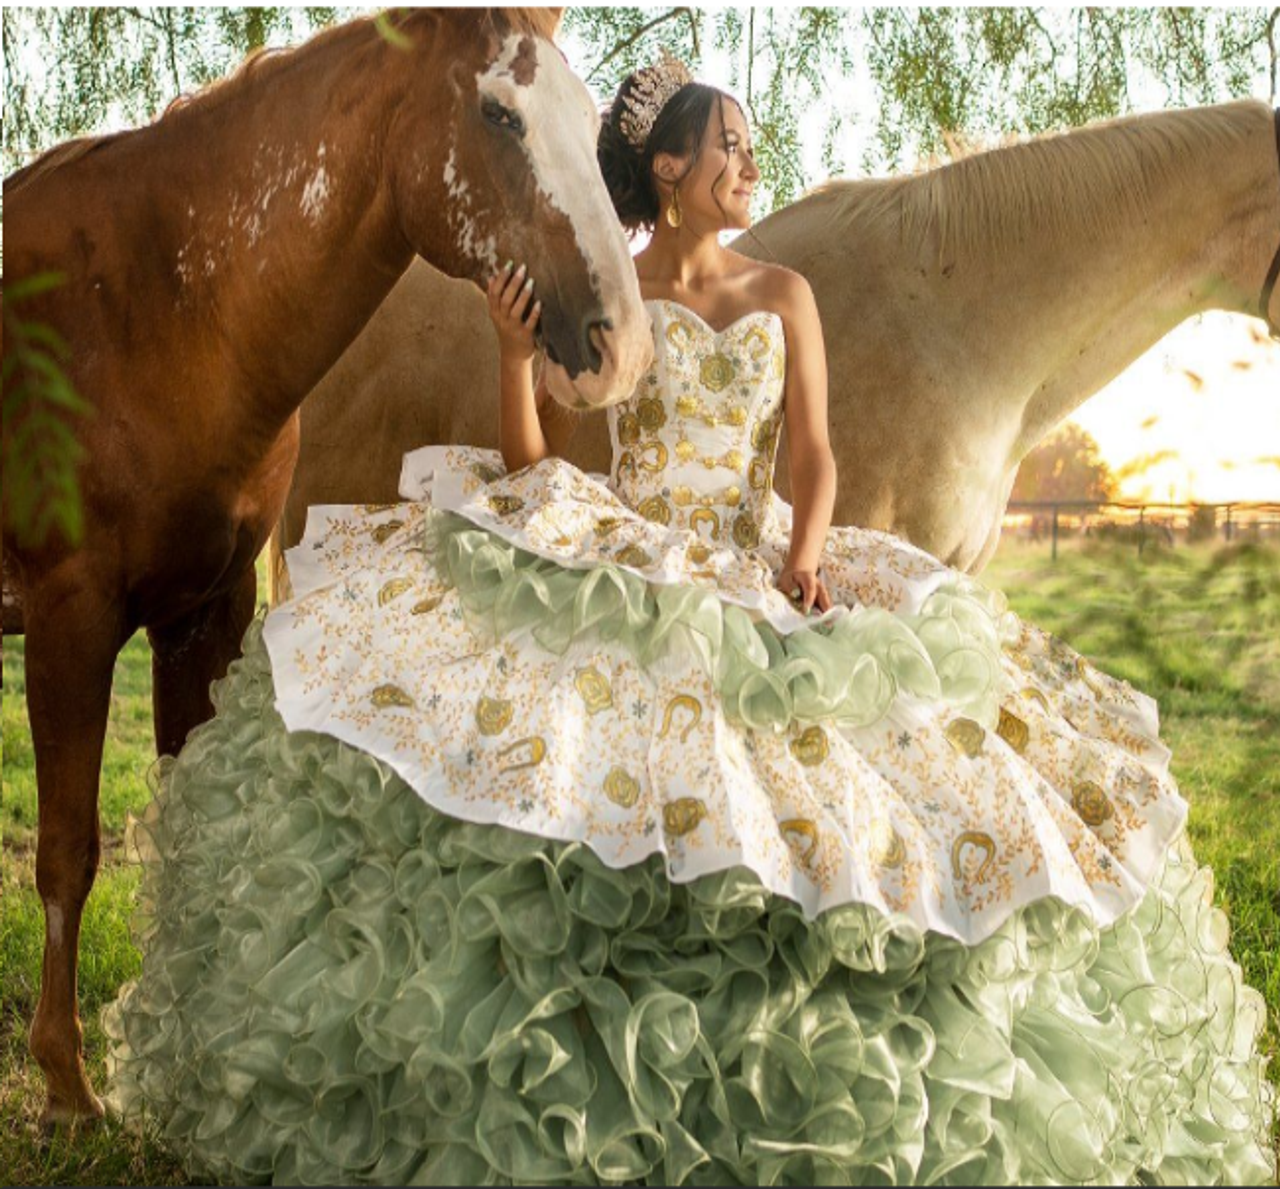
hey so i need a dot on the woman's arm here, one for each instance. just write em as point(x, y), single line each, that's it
point(530, 426)
point(811, 462)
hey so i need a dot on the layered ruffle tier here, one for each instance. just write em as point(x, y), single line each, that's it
point(342, 984)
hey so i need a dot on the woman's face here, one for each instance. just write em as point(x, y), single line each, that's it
point(726, 170)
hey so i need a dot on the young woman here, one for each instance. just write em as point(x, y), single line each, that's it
point(645, 828)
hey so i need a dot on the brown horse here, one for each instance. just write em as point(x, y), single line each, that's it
point(216, 264)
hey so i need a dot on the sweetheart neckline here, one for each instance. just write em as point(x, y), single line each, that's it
point(717, 333)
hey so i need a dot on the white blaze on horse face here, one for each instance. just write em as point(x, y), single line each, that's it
point(561, 127)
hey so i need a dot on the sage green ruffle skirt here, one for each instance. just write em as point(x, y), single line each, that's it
point(342, 985)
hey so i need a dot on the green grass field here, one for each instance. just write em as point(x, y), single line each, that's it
point(1199, 628)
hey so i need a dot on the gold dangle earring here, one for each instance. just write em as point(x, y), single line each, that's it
point(674, 215)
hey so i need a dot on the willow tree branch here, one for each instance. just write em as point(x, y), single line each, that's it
point(627, 42)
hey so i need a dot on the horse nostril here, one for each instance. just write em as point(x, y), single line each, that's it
point(594, 358)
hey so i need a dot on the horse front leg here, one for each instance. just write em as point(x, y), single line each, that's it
point(73, 636)
point(188, 654)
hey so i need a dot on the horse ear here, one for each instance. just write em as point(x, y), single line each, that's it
point(556, 14)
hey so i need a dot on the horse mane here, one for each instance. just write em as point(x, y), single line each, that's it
point(540, 22)
point(1103, 174)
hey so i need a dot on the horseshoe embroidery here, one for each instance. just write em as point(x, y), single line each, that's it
point(537, 751)
point(686, 702)
point(982, 842)
point(705, 514)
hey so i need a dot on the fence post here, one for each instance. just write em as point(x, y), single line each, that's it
point(1055, 532)
point(1228, 523)
point(1142, 528)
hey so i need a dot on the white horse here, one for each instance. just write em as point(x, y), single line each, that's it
point(967, 311)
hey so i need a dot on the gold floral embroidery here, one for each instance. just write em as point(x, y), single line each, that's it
point(1013, 731)
point(716, 372)
point(387, 696)
point(493, 715)
point(801, 836)
point(698, 553)
point(651, 413)
point(655, 508)
point(746, 533)
point(659, 460)
point(633, 555)
point(486, 473)
point(811, 746)
point(621, 787)
point(1091, 802)
point(628, 429)
point(683, 816)
point(966, 736)
point(430, 603)
point(505, 505)
point(383, 532)
point(594, 688)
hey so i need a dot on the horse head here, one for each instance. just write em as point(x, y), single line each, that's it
point(495, 158)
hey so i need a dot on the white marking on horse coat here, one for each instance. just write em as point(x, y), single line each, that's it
point(315, 194)
point(561, 128)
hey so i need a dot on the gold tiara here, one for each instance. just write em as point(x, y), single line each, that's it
point(653, 86)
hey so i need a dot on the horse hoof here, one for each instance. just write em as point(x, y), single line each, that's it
point(85, 1111)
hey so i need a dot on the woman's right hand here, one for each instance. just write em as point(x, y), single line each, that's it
point(511, 313)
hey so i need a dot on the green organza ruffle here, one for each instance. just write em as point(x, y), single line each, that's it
point(849, 669)
point(342, 985)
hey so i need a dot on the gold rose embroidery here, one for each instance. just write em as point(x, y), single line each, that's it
point(1091, 802)
point(430, 603)
point(746, 535)
point(655, 508)
point(1013, 731)
point(652, 414)
point(594, 689)
point(387, 696)
point(374, 509)
point(493, 715)
point(717, 372)
point(607, 525)
point(1036, 695)
point(621, 787)
point(698, 553)
point(505, 505)
point(811, 746)
point(383, 532)
point(683, 816)
point(966, 736)
point(628, 429)
point(633, 555)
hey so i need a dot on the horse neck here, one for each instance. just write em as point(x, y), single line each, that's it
point(1073, 312)
point(288, 238)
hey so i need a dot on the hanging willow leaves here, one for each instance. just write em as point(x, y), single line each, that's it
point(40, 404)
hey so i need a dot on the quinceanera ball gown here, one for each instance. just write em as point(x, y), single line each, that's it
point(540, 839)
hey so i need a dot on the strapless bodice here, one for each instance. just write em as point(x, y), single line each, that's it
point(694, 444)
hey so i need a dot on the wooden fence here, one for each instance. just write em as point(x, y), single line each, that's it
point(1141, 523)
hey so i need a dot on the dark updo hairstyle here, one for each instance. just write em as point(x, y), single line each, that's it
point(679, 129)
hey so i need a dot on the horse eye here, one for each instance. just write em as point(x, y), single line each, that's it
point(501, 116)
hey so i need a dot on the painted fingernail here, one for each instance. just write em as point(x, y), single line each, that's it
point(528, 283)
point(507, 267)
point(521, 269)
